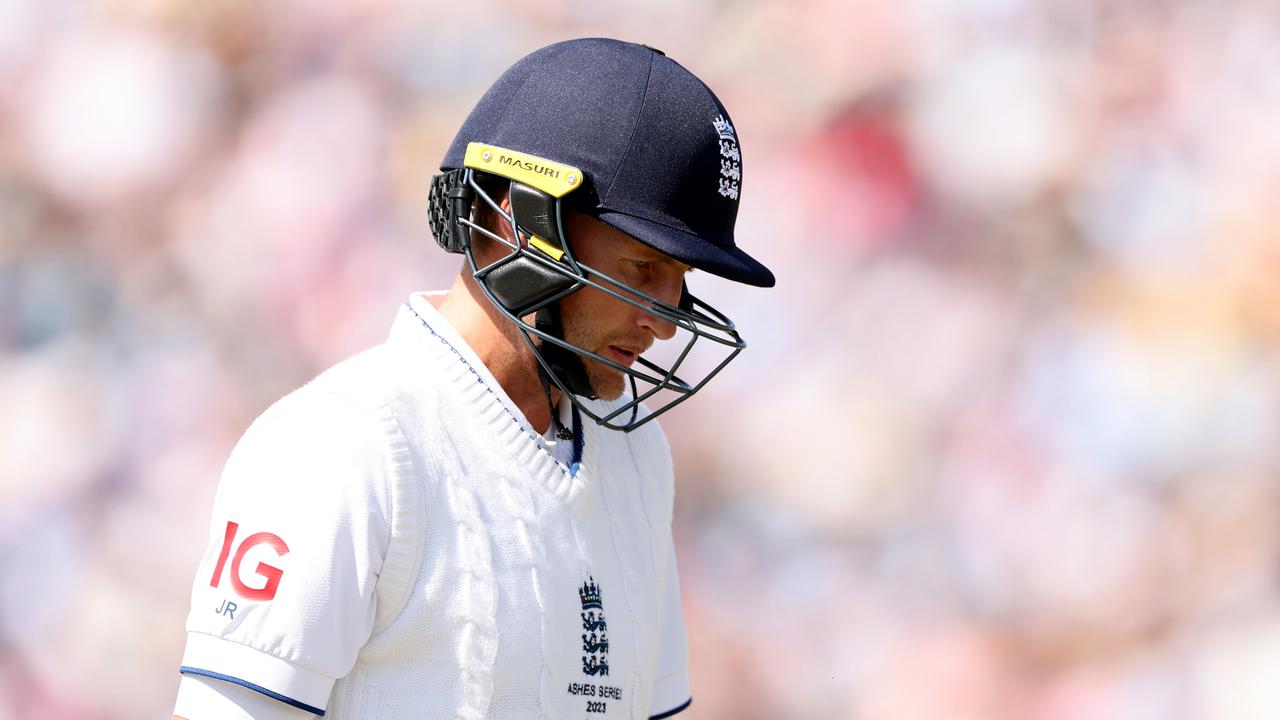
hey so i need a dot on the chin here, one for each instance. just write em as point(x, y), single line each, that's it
point(607, 385)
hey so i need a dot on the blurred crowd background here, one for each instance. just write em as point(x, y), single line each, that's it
point(1005, 444)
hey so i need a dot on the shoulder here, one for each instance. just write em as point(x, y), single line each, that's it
point(336, 427)
point(365, 379)
point(357, 398)
point(311, 444)
point(335, 402)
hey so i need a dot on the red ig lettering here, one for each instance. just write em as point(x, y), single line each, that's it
point(268, 572)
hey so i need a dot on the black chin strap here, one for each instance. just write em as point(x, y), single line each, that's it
point(566, 364)
point(562, 432)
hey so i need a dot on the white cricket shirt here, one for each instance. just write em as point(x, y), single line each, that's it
point(393, 540)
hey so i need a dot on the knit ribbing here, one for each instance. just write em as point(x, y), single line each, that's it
point(404, 548)
point(478, 636)
point(498, 414)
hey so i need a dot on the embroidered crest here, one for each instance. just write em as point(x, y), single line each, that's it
point(595, 638)
point(730, 157)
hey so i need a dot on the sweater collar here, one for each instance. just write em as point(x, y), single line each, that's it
point(420, 303)
point(509, 427)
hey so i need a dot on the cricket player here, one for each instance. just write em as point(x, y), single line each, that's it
point(473, 519)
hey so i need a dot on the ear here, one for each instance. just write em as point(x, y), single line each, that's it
point(487, 216)
point(503, 225)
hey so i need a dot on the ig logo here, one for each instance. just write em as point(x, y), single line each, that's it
point(269, 573)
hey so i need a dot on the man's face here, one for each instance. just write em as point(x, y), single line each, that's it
point(605, 325)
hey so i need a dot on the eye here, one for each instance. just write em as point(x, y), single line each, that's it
point(641, 264)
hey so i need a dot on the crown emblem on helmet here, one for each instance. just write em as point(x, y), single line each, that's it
point(730, 157)
point(724, 128)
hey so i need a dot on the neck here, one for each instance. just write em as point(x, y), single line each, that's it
point(500, 347)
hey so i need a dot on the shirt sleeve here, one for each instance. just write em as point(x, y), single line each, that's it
point(284, 597)
point(671, 682)
point(203, 698)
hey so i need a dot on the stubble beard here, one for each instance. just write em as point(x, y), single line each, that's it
point(606, 382)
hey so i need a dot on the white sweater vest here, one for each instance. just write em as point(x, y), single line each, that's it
point(433, 559)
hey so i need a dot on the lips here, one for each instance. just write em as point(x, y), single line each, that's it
point(623, 355)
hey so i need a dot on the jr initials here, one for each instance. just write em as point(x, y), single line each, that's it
point(227, 608)
point(270, 573)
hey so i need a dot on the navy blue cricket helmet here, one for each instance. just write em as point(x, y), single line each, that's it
point(626, 135)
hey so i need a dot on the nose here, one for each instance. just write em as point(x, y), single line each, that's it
point(670, 294)
point(661, 329)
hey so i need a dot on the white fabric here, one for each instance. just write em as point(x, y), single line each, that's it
point(432, 552)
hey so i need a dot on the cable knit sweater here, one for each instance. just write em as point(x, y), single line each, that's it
point(393, 540)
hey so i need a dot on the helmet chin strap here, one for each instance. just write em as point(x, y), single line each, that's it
point(567, 364)
point(562, 432)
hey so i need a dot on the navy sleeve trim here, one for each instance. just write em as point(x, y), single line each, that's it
point(258, 688)
point(672, 711)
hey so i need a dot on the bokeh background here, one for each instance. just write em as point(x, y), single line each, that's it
point(1006, 443)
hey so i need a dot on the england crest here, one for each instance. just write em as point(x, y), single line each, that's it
point(595, 637)
point(730, 157)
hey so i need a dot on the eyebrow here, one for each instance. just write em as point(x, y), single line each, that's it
point(654, 254)
point(665, 259)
